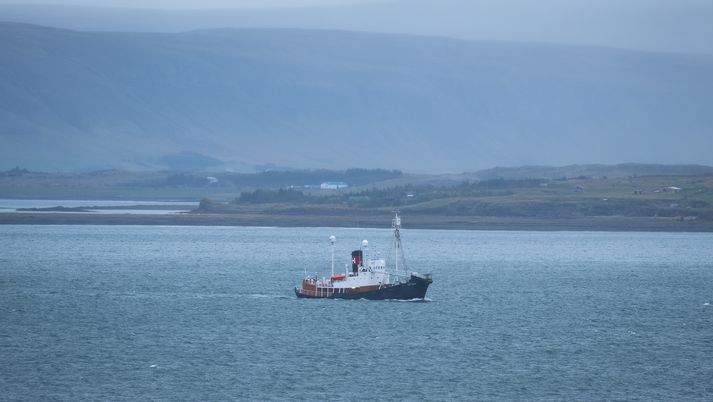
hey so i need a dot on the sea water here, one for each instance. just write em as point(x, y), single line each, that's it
point(209, 313)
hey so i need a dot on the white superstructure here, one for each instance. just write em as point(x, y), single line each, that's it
point(369, 278)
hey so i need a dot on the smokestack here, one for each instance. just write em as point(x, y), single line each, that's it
point(356, 261)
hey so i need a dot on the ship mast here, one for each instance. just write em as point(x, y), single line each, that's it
point(332, 239)
point(396, 225)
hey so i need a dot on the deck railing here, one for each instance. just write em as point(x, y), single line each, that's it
point(322, 292)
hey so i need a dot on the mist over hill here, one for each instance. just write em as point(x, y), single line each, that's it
point(656, 25)
point(240, 98)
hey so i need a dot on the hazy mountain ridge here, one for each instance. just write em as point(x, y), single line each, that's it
point(591, 171)
point(330, 99)
point(659, 25)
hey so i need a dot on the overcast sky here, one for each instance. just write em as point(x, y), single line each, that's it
point(202, 4)
point(192, 4)
point(658, 25)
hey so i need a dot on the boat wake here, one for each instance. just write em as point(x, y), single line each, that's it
point(268, 296)
point(424, 300)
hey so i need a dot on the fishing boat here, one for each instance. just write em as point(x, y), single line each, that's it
point(369, 278)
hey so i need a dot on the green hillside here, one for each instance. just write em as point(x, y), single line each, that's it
point(248, 99)
point(681, 197)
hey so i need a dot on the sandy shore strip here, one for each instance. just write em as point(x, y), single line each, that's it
point(647, 224)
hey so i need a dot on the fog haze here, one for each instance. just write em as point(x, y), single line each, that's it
point(326, 99)
point(191, 4)
point(440, 86)
point(656, 25)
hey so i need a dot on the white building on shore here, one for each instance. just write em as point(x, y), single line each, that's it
point(333, 185)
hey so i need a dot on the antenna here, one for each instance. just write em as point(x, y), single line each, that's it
point(365, 248)
point(332, 240)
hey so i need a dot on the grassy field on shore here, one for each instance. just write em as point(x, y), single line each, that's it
point(577, 201)
point(682, 202)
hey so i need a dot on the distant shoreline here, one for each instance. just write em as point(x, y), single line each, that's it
point(380, 220)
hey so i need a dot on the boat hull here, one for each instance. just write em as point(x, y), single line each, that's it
point(415, 288)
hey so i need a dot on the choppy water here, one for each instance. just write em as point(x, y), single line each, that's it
point(208, 313)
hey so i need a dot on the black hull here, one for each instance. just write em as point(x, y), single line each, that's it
point(415, 288)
